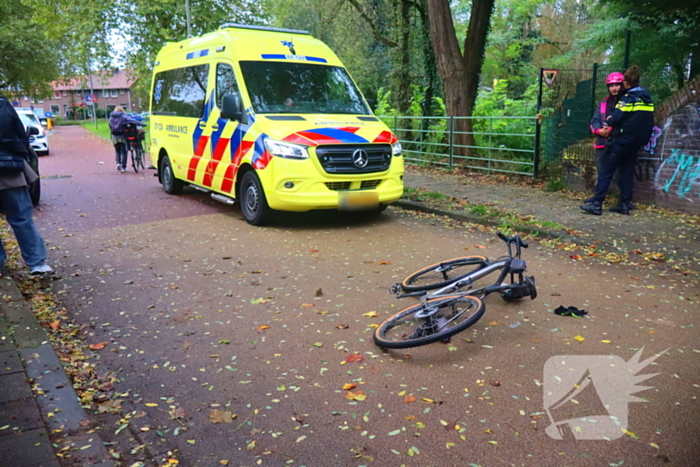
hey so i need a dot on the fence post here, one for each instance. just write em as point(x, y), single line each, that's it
point(593, 86)
point(490, 153)
point(451, 126)
point(538, 127)
point(396, 133)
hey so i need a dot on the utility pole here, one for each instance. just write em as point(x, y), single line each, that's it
point(92, 93)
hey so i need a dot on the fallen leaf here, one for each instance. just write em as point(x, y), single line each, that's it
point(356, 396)
point(263, 327)
point(355, 358)
point(348, 386)
point(319, 293)
point(580, 338)
point(383, 263)
point(370, 314)
point(342, 326)
point(307, 305)
point(410, 398)
point(55, 324)
point(99, 346)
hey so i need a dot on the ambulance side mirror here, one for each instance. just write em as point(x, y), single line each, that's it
point(33, 131)
point(232, 108)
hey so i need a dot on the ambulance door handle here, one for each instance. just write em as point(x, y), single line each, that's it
point(202, 124)
point(215, 127)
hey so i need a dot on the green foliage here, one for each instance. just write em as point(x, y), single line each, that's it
point(495, 132)
point(555, 184)
point(27, 61)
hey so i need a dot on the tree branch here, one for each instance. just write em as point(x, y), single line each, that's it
point(373, 27)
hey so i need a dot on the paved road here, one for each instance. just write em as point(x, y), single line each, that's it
point(182, 292)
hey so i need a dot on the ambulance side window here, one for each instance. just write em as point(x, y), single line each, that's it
point(225, 83)
point(181, 92)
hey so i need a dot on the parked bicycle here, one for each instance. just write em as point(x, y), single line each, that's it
point(134, 134)
point(449, 309)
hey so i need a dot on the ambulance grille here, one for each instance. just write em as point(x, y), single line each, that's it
point(366, 184)
point(337, 159)
point(337, 186)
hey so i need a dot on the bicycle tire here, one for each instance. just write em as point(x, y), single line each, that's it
point(387, 336)
point(430, 278)
point(140, 155)
point(134, 159)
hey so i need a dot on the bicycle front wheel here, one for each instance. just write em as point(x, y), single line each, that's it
point(140, 156)
point(135, 159)
point(443, 273)
point(423, 324)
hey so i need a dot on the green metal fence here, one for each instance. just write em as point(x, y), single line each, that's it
point(503, 144)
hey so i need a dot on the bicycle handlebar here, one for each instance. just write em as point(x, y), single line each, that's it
point(516, 239)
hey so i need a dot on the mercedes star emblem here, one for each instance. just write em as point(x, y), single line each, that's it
point(360, 158)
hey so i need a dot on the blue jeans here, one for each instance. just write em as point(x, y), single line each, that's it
point(17, 206)
point(121, 155)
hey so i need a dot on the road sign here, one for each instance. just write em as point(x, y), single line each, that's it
point(90, 98)
point(48, 114)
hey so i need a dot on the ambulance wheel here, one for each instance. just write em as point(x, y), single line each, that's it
point(171, 184)
point(254, 205)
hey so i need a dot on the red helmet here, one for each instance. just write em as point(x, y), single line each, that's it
point(615, 78)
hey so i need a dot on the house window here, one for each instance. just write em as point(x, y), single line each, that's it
point(55, 109)
point(114, 93)
point(64, 93)
point(26, 98)
point(122, 91)
point(57, 94)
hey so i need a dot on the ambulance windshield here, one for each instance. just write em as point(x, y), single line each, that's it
point(301, 88)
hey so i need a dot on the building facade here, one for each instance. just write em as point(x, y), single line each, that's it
point(73, 100)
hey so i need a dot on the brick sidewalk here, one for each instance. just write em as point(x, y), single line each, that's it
point(26, 418)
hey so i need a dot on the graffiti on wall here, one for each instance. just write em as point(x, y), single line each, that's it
point(651, 145)
point(679, 174)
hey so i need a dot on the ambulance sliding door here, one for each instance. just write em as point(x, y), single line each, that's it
point(227, 135)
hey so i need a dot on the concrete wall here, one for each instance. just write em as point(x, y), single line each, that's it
point(668, 169)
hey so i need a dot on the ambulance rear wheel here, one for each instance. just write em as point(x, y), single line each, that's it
point(171, 184)
point(254, 205)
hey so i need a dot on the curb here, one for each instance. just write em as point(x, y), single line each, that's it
point(489, 221)
point(48, 384)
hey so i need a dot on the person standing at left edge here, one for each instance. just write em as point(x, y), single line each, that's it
point(15, 202)
point(632, 122)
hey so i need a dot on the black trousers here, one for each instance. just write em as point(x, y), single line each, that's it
point(623, 162)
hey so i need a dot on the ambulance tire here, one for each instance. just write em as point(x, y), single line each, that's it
point(254, 205)
point(171, 184)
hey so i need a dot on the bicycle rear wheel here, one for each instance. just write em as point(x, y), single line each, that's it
point(423, 324)
point(443, 273)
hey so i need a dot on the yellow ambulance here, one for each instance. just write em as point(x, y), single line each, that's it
point(269, 118)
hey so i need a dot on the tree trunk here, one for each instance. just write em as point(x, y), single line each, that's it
point(460, 73)
point(403, 75)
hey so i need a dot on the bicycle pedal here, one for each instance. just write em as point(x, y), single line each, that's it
point(395, 288)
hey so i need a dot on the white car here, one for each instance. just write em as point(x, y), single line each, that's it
point(40, 142)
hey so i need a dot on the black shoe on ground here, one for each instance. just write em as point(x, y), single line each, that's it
point(588, 201)
point(595, 209)
point(630, 206)
point(620, 209)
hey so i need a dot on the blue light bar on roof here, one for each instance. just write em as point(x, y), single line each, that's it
point(197, 54)
point(303, 58)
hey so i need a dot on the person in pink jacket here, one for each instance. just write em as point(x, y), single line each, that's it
point(605, 110)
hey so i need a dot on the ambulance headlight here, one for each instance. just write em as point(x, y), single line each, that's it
point(396, 149)
point(286, 150)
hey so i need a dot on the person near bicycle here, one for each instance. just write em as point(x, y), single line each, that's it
point(632, 122)
point(116, 126)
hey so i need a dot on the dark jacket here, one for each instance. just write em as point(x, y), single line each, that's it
point(632, 120)
point(13, 136)
point(605, 109)
point(118, 119)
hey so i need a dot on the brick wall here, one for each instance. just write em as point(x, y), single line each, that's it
point(668, 169)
